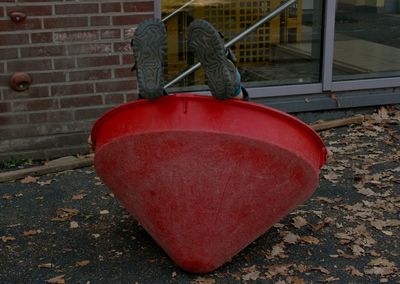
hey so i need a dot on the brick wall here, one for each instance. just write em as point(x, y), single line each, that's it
point(79, 58)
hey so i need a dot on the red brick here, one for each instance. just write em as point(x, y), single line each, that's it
point(51, 117)
point(43, 51)
point(91, 75)
point(2, 12)
point(33, 105)
point(42, 37)
point(92, 113)
point(68, 9)
point(115, 86)
point(73, 89)
point(110, 7)
point(139, 7)
point(12, 119)
point(129, 20)
point(13, 39)
point(56, 23)
point(31, 93)
point(98, 61)
point(110, 34)
point(48, 77)
point(8, 53)
point(5, 107)
point(114, 99)
point(29, 65)
point(127, 59)
point(64, 63)
point(2, 67)
point(132, 97)
point(90, 48)
point(81, 101)
point(28, 24)
point(96, 21)
point(32, 10)
point(122, 47)
point(75, 36)
point(124, 73)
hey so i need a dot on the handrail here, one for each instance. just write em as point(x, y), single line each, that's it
point(244, 33)
point(177, 11)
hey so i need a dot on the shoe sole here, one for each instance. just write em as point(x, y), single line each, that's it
point(149, 46)
point(208, 47)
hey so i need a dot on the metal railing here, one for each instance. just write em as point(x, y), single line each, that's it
point(243, 34)
point(177, 11)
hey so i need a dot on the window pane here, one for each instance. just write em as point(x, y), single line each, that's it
point(284, 51)
point(367, 39)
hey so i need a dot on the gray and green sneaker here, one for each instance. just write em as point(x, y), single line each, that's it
point(149, 46)
point(222, 75)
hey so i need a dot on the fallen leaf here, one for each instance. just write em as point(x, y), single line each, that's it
point(46, 265)
point(278, 251)
point(83, 263)
point(357, 250)
point(65, 214)
point(345, 255)
point(310, 240)
point(321, 269)
point(57, 280)
point(46, 182)
point(354, 271)
point(29, 179)
point(95, 236)
point(291, 238)
point(104, 212)
point(78, 196)
point(278, 269)
point(299, 222)
point(251, 273)
point(203, 280)
point(330, 279)
point(6, 197)
point(31, 233)
point(7, 239)
point(73, 225)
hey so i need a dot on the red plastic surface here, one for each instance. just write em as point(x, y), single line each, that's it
point(204, 177)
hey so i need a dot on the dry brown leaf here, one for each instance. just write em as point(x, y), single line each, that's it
point(357, 250)
point(330, 279)
point(73, 225)
point(345, 255)
point(7, 239)
point(310, 240)
point(321, 224)
point(299, 222)
point(29, 179)
point(6, 197)
point(354, 271)
point(31, 233)
point(291, 238)
point(45, 265)
point(83, 263)
point(321, 269)
point(278, 251)
point(278, 269)
point(57, 280)
point(295, 280)
point(46, 182)
point(65, 214)
point(78, 196)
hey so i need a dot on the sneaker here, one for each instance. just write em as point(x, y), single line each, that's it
point(208, 47)
point(149, 46)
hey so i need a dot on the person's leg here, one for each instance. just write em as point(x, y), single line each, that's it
point(149, 46)
point(223, 78)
